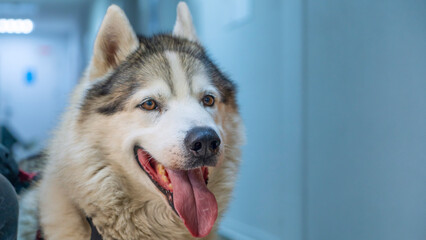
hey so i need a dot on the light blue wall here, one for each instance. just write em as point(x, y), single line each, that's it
point(366, 119)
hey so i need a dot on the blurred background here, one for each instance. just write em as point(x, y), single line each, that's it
point(332, 92)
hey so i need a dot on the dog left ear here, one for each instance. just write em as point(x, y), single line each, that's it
point(183, 26)
point(114, 42)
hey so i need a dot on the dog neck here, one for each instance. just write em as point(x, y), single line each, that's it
point(148, 218)
point(130, 212)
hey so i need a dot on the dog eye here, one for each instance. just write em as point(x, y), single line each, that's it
point(208, 100)
point(149, 105)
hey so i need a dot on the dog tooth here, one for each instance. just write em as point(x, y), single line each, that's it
point(170, 186)
point(165, 179)
point(160, 169)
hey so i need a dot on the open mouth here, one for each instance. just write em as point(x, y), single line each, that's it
point(185, 190)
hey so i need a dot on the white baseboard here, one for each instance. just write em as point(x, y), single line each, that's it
point(236, 230)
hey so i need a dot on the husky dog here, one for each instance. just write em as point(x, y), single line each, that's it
point(149, 147)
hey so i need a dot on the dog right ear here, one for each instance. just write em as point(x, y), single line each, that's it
point(114, 42)
point(184, 27)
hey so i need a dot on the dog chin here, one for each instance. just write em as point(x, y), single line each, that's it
point(185, 190)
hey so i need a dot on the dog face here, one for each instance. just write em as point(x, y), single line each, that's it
point(158, 107)
point(176, 111)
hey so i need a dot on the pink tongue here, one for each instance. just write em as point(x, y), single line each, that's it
point(195, 204)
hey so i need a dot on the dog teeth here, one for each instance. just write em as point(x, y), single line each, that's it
point(161, 170)
point(165, 179)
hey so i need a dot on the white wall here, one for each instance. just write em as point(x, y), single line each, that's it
point(366, 120)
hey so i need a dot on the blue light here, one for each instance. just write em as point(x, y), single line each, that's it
point(29, 77)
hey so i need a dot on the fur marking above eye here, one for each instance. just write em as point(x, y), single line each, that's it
point(208, 101)
point(149, 105)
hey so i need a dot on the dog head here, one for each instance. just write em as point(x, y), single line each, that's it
point(159, 109)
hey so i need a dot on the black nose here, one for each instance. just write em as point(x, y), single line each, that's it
point(202, 142)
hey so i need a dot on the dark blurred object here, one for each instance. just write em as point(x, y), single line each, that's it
point(9, 169)
point(8, 210)
point(8, 166)
point(7, 138)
